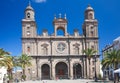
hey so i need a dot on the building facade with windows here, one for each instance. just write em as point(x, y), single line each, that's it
point(108, 72)
point(55, 56)
point(116, 43)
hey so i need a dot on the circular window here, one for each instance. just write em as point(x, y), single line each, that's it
point(61, 47)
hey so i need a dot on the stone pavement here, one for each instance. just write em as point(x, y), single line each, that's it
point(67, 81)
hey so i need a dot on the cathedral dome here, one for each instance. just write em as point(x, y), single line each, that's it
point(89, 8)
point(29, 8)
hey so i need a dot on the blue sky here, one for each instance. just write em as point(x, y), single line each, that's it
point(12, 12)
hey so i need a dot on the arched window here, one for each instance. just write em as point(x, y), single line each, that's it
point(28, 15)
point(28, 49)
point(76, 50)
point(28, 28)
point(92, 30)
point(92, 47)
point(44, 49)
point(90, 16)
point(92, 33)
point(92, 27)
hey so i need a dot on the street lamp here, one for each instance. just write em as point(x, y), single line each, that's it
point(95, 70)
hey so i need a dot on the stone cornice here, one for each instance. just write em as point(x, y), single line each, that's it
point(55, 56)
point(57, 38)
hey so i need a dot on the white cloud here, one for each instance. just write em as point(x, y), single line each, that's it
point(39, 1)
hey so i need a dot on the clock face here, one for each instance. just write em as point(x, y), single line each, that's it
point(28, 33)
point(61, 47)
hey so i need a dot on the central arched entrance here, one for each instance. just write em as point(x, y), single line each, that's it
point(61, 70)
point(77, 71)
point(45, 71)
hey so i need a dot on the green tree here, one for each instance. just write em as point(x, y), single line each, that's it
point(24, 61)
point(3, 53)
point(112, 58)
point(89, 53)
point(10, 66)
point(3, 57)
point(6, 61)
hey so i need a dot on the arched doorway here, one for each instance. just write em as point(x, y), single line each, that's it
point(77, 71)
point(61, 70)
point(45, 71)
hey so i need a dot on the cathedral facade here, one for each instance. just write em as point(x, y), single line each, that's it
point(60, 57)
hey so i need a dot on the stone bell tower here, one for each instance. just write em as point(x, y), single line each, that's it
point(90, 32)
point(90, 26)
point(28, 23)
point(90, 29)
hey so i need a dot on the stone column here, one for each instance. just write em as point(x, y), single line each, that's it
point(85, 75)
point(51, 61)
point(71, 70)
point(53, 70)
point(37, 60)
point(82, 65)
point(39, 70)
point(69, 59)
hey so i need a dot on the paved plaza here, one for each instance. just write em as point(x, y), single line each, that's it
point(67, 81)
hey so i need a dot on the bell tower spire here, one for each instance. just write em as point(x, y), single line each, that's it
point(89, 13)
point(92, 29)
point(29, 12)
point(28, 23)
point(29, 3)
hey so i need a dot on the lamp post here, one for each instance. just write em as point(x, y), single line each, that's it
point(95, 70)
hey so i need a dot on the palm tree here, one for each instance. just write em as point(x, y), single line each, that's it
point(6, 61)
point(10, 65)
point(112, 58)
point(3, 53)
point(89, 53)
point(24, 60)
point(3, 57)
